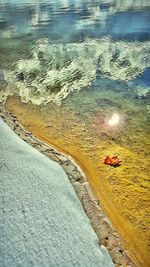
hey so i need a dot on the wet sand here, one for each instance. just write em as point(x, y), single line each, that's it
point(122, 191)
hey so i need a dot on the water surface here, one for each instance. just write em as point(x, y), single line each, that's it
point(72, 65)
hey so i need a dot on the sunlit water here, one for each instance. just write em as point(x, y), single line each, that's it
point(82, 72)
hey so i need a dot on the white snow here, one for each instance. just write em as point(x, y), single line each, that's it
point(42, 223)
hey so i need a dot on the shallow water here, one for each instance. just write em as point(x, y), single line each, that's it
point(74, 64)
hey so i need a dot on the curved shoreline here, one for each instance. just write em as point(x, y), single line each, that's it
point(100, 223)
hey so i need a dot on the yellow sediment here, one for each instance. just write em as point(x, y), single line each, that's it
point(123, 191)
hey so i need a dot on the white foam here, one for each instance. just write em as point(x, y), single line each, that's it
point(55, 70)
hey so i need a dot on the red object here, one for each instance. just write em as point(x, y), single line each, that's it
point(113, 161)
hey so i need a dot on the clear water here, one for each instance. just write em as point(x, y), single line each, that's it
point(75, 64)
point(63, 46)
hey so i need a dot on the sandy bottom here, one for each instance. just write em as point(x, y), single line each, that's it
point(123, 191)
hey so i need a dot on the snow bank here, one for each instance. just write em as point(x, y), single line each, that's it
point(42, 222)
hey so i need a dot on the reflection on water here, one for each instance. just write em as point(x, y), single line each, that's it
point(71, 19)
point(75, 64)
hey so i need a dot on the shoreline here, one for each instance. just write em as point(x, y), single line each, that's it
point(102, 226)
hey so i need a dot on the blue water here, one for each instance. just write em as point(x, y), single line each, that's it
point(53, 19)
point(143, 79)
point(23, 23)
